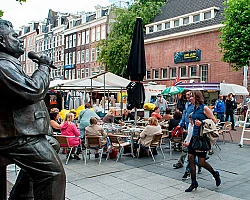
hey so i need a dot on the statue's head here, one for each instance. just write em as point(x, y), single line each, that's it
point(9, 41)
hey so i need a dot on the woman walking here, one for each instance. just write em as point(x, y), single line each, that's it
point(201, 112)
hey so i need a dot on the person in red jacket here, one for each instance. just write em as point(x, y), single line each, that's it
point(68, 128)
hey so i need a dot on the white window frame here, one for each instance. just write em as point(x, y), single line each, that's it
point(162, 73)
point(83, 56)
point(78, 56)
point(93, 54)
point(87, 37)
point(93, 35)
point(87, 55)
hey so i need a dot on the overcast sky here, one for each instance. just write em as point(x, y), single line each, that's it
point(38, 9)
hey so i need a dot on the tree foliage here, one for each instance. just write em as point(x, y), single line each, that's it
point(116, 48)
point(20, 1)
point(235, 37)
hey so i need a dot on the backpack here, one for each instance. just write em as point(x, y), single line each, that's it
point(177, 132)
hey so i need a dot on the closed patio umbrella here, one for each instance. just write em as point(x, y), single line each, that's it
point(136, 68)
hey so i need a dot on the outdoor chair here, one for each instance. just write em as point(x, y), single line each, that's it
point(64, 143)
point(118, 144)
point(94, 143)
point(226, 129)
point(156, 142)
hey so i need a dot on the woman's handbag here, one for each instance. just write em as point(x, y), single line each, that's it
point(201, 142)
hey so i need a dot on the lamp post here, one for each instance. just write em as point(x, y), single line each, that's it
point(245, 74)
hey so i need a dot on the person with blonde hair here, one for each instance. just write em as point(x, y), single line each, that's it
point(109, 117)
point(146, 136)
point(68, 128)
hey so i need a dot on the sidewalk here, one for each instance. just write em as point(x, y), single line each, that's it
point(144, 179)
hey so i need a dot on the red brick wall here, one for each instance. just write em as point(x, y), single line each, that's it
point(161, 55)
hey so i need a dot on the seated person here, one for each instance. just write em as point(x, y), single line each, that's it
point(68, 128)
point(156, 113)
point(168, 115)
point(146, 136)
point(127, 115)
point(109, 117)
point(174, 123)
point(54, 116)
point(96, 130)
point(175, 120)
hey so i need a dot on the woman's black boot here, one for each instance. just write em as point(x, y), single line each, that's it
point(194, 185)
point(217, 178)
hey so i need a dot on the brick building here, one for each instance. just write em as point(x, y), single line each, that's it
point(182, 42)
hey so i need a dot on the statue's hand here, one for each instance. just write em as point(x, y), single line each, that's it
point(45, 60)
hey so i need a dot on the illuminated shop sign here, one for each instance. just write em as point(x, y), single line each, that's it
point(187, 56)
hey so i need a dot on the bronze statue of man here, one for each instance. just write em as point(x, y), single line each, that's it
point(24, 121)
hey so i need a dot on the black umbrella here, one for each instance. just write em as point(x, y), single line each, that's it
point(136, 68)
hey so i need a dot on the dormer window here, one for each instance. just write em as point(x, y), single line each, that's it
point(196, 18)
point(151, 29)
point(185, 20)
point(159, 27)
point(167, 25)
point(207, 15)
point(98, 13)
point(176, 23)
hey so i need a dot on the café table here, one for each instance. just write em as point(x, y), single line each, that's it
point(132, 133)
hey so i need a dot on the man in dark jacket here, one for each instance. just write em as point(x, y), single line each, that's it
point(231, 105)
point(24, 121)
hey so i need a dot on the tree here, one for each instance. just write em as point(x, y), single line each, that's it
point(235, 35)
point(116, 48)
point(20, 1)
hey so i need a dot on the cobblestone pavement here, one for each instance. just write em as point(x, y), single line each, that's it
point(132, 178)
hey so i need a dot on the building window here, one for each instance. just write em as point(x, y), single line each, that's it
point(97, 53)
point(74, 58)
point(98, 34)
point(196, 18)
point(87, 72)
point(78, 56)
point(207, 15)
point(102, 69)
point(59, 71)
point(148, 74)
point(87, 37)
point(183, 72)
point(70, 58)
point(59, 55)
point(74, 40)
point(92, 54)
point(82, 72)
point(167, 25)
point(78, 74)
point(93, 71)
point(79, 39)
point(159, 27)
point(66, 58)
point(164, 73)
point(87, 55)
point(70, 41)
point(83, 55)
point(103, 34)
point(176, 23)
point(156, 73)
point(83, 38)
point(93, 35)
point(204, 73)
point(66, 74)
point(185, 20)
point(173, 72)
point(193, 71)
point(151, 29)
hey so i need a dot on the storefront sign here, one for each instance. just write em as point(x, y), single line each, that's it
point(187, 56)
